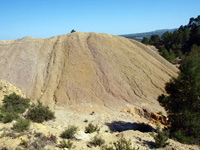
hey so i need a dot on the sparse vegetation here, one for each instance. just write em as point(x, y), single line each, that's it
point(24, 143)
point(2, 135)
point(92, 113)
point(69, 132)
point(121, 144)
point(64, 144)
point(40, 113)
point(52, 138)
point(91, 128)
point(160, 113)
point(21, 125)
point(106, 131)
point(161, 137)
point(97, 141)
point(86, 120)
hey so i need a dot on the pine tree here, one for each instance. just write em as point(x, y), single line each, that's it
point(154, 39)
point(145, 40)
point(183, 100)
point(73, 31)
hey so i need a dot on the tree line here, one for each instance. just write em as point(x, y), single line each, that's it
point(182, 101)
point(175, 44)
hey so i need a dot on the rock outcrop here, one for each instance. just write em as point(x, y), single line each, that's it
point(86, 69)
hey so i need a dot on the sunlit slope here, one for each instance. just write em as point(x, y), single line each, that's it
point(82, 69)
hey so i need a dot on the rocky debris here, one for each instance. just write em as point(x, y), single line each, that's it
point(92, 70)
point(47, 135)
point(7, 88)
point(159, 118)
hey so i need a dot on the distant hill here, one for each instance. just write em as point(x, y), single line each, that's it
point(139, 36)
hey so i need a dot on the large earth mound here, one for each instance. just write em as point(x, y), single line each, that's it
point(84, 70)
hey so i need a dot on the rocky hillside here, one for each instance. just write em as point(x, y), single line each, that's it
point(86, 69)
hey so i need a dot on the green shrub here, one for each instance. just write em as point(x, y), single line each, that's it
point(21, 125)
point(64, 144)
point(69, 132)
point(15, 103)
point(106, 131)
point(161, 137)
point(86, 120)
point(39, 113)
point(12, 106)
point(121, 144)
point(7, 117)
point(97, 141)
point(91, 128)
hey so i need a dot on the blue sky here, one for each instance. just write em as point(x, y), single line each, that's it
point(46, 18)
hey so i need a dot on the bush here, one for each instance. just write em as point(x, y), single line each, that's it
point(15, 103)
point(39, 113)
point(12, 106)
point(161, 137)
point(121, 144)
point(69, 132)
point(91, 128)
point(7, 117)
point(97, 141)
point(64, 144)
point(21, 125)
point(86, 120)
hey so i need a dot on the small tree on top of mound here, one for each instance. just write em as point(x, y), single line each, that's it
point(183, 100)
point(73, 31)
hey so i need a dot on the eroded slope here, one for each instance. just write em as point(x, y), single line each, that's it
point(86, 69)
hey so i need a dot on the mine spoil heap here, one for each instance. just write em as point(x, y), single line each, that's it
point(86, 70)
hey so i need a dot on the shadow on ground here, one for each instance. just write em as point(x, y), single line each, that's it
point(120, 126)
point(150, 144)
